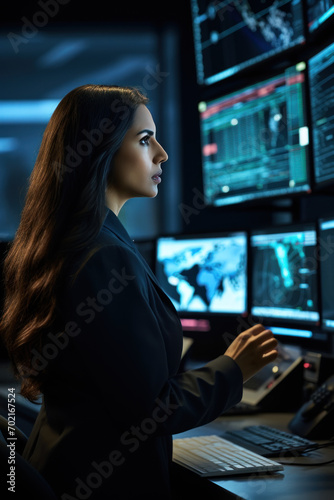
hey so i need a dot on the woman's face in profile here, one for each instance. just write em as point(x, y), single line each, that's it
point(136, 166)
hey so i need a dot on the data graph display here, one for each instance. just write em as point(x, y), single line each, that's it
point(321, 77)
point(204, 274)
point(326, 253)
point(284, 271)
point(230, 35)
point(255, 141)
point(318, 12)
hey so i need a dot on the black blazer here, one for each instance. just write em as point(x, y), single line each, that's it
point(113, 395)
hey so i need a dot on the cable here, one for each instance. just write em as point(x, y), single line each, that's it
point(317, 446)
point(305, 463)
point(312, 448)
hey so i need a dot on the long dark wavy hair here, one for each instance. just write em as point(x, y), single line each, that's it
point(63, 213)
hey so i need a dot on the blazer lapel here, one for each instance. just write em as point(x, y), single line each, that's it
point(113, 224)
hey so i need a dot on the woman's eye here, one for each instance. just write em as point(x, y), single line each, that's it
point(145, 140)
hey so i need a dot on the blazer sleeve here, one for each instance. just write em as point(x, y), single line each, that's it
point(119, 341)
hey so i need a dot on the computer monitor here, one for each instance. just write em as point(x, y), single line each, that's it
point(318, 13)
point(321, 82)
point(284, 276)
point(255, 141)
point(204, 273)
point(230, 36)
point(326, 258)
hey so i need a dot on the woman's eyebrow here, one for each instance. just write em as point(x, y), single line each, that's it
point(146, 131)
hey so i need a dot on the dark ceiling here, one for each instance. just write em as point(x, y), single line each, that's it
point(149, 11)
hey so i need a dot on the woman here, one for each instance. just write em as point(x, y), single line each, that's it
point(86, 322)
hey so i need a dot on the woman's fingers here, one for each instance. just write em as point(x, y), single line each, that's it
point(253, 349)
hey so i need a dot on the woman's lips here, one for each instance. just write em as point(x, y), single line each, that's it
point(156, 178)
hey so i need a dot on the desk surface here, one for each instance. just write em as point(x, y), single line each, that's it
point(304, 482)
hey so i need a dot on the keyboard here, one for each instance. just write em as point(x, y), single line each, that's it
point(214, 456)
point(268, 441)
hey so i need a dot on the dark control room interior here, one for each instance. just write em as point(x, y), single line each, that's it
point(240, 234)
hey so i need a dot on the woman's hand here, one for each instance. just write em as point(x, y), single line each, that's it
point(253, 349)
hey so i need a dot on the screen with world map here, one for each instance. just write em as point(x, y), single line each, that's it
point(204, 274)
point(230, 35)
